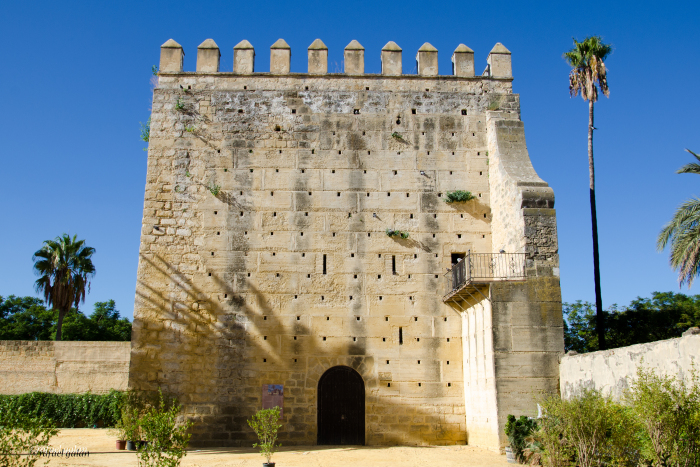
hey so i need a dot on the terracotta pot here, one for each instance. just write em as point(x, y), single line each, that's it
point(121, 445)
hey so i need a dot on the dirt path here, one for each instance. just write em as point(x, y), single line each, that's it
point(102, 450)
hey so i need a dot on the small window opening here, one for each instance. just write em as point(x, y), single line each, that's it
point(380, 297)
point(413, 111)
point(324, 264)
point(264, 318)
point(388, 385)
point(411, 216)
point(324, 338)
point(400, 336)
point(448, 339)
point(218, 233)
point(298, 317)
point(393, 264)
point(264, 338)
point(449, 385)
point(264, 360)
point(419, 362)
point(356, 111)
point(383, 339)
point(294, 111)
point(352, 255)
point(386, 318)
point(464, 111)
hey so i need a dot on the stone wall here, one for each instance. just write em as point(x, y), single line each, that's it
point(611, 371)
point(264, 256)
point(63, 367)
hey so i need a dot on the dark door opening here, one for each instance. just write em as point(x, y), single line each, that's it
point(341, 407)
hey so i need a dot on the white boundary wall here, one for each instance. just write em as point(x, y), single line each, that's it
point(611, 371)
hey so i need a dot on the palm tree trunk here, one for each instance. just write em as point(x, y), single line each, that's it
point(600, 317)
point(61, 314)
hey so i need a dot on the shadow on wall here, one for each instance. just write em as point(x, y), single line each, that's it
point(201, 353)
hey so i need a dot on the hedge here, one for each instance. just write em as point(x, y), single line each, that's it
point(68, 410)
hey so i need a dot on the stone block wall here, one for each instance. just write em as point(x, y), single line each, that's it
point(264, 256)
point(612, 371)
point(63, 367)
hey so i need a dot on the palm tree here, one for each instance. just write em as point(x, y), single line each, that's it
point(64, 267)
point(587, 76)
point(684, 233)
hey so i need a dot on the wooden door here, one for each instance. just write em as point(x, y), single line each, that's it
point(341, 407)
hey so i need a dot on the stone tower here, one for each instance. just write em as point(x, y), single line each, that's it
point(297, 232)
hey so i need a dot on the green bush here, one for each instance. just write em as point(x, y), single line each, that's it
point(265, 423)
point(669, 410)
point(518, 430)
point(23, 434)
point(397, 233)
point(67, 410)
point(592, 428)
point(458, 196)
point(166, 438)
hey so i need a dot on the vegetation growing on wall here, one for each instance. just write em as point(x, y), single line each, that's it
point(458, 196)
point(67, 410)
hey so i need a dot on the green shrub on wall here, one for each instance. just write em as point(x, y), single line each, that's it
point(68, 410)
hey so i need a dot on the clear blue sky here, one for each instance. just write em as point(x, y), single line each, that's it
point(75, 85)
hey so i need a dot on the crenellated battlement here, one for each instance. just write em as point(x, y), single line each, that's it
point(208, 57)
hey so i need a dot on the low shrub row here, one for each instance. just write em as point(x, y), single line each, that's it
point(67, 410)
point(656, 424)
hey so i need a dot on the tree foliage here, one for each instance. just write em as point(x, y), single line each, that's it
point(663, 316)
point(683, 233)
point(26, 318)
point(588, 72)
point(21, 437)
point(64, 266)
point(166, 438)
point(265, 423)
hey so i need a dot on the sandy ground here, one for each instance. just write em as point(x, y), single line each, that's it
point(102, 450)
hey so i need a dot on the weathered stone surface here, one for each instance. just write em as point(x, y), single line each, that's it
point(63, 367)
point(272, 194)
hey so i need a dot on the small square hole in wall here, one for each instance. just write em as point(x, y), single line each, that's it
point(388, 194)
point(241, 193)
point(357, 317)
point(428, 152)
point(302, 234)
point(264, 318)
point(306, 88)
point(241, 213)
point(409, 276)
point(415, 318)
point(264, 360)
point(245, 233)
point(473, 134)
point(368, 153)
point(340, 152)
point(277, 170)
point(306, 213)
point(334, 133)
point(303, 171)
point(483, 236)
point(356, 111)
point(308, 276)
point(419, 384)
point(352, 255)
point(415, 256)
point(387, 362)
point(264, 338)
point(380, 297)
point(218, 233)
point(333, 171)
point(445, 319)
point(248, 274)
point(369, 234)
point(436, 276)
point(379, 255)
point(313, 151)
point(338, 194)
point(354, 339)
point(433, 235)
point(453, 134)
point(448, 339)
point(309, 193)
point(398, 152)
point(295, 360)
point(272, 233)
point(383, 339)
point(434, 216)
point(328, 318)
point(322, 298)
point(245, 87)
point(251, 170)
point(386, 318)
point(427, 90)
point(278, 274)
point(351, 299)
point(274, 214)
point(478, 153)
point(295, 297)
point(367, 88)
point(334, 234)
point(395, 172)
point(450, 172)
point(363, 133)
point(324, 338)
point(303, 254)
point(295, 337)
point(298, 317)
point(461, 216)
point(464, 111)
point(355, 276)
point(379, 276)
point(449, 385)
point(364, 171)
point(411, 216)
point(294, 111)
point(212, 253)
point(413, 111)
point(209, 274)
point(368, 195)
point(484, 216)
point(423, 133)
point(459, 235)
point(410, 297)
point(216, 212)
point(448, 362)
point(273, 253)
point(388, 385)
point(419, 362)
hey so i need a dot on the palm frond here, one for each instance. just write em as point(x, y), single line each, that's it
point(588, 72)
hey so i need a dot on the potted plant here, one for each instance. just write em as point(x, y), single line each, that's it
point(120, 433)
point(165, 437)
point(265, 423)
point(130, 426)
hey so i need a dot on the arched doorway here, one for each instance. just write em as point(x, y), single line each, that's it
point(341, 407)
